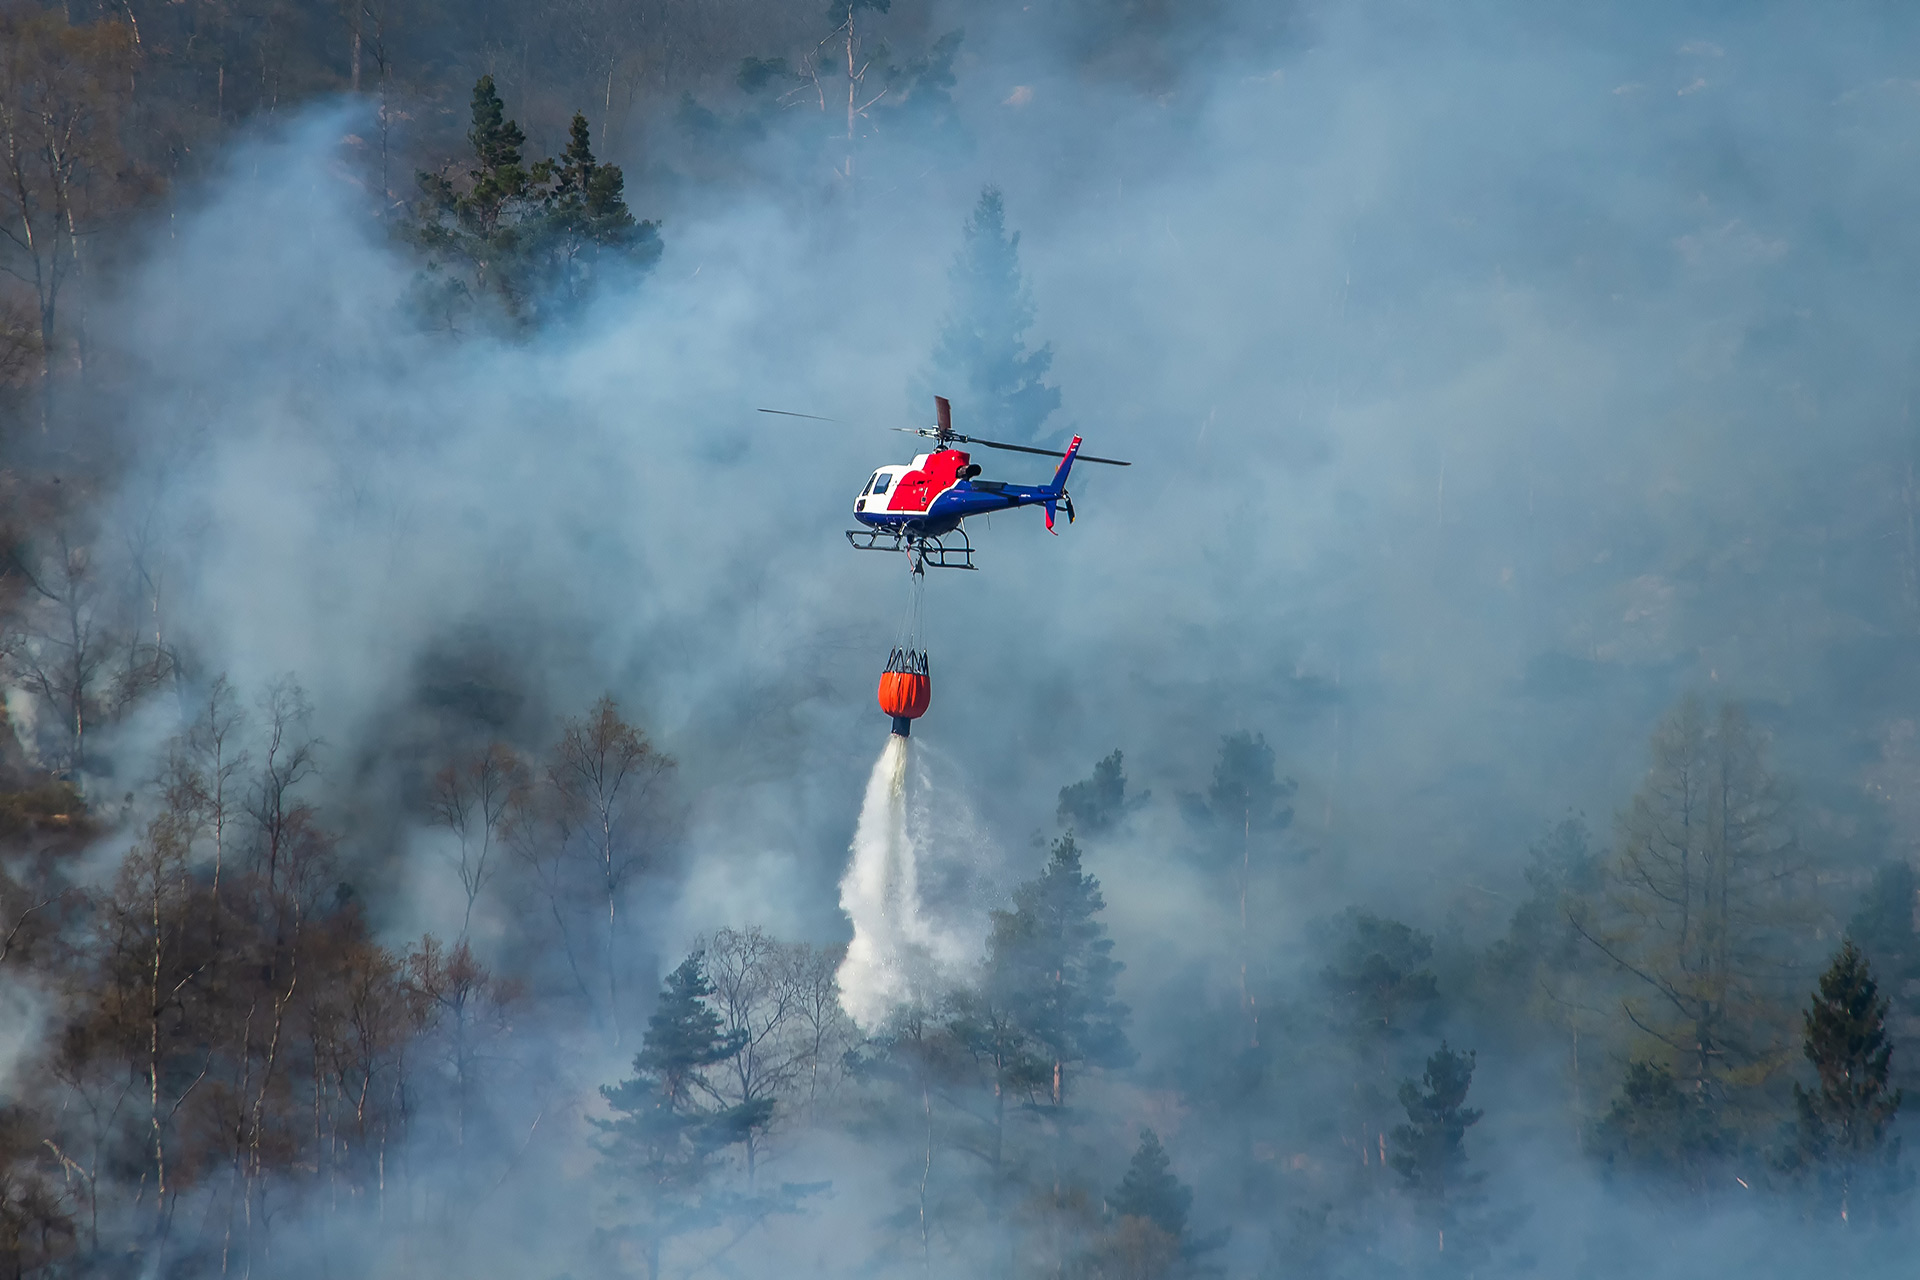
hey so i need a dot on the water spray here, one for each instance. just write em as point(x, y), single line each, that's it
point(880, 894)
point(891, 952)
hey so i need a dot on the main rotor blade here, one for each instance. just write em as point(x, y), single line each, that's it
point(1051, 453)
point(934, 434)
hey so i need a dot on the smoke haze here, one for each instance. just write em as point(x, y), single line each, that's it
point(1492, 375)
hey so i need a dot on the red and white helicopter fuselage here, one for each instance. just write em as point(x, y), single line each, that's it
point(936, 491)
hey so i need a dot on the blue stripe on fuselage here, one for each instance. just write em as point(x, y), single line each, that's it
point(955, 505)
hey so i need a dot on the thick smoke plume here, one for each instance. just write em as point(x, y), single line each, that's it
point(1496, 377)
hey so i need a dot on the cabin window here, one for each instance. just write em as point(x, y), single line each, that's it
point(870, 479)
point(881, 481)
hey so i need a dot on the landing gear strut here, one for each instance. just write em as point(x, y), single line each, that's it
point(924, 551)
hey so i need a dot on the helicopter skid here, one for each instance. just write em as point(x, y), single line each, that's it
point(926, 552)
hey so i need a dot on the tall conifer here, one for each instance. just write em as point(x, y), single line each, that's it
point(1429, 1151)
point(1150, 1189)
point(536, 236)
point(1844, 1122)
point(1050, 964)
point(982, 361)
point(666, 1128)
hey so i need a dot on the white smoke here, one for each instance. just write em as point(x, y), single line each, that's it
point(905, 949)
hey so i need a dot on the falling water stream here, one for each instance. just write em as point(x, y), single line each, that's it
point(902, 951)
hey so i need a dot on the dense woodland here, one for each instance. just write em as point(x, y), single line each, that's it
point(218, 1057)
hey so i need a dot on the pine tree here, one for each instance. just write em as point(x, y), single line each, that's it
point(1663, 1134)
point(981, 361)
point(588, 225)
point(1149, 1210)
point(1543, 972)
point(536, 236)
point(1094, 806)
point(1011, 1066)
point(1883, 924)
point(1150, 1189)
point(667, 1128)
point(1429, 1151)
point(1844, 1123)
point(1560, 868)
point(1050, 965)
point(500, 176)
point(1380, 970)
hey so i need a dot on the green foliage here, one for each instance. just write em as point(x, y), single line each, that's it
point(1050, 965)
point(756, 74)
point(1150, 1189)
point(1094, 806)
point(992, 1036)
point(667, 1128)
point(1690, 914)
point(539, 239)
point(1843, 1123)
point(943, 1086)
point(683, 1034)
point(1883, 925)
point(981, 361)
point(1246, 798)
point(1561, 869)
point(1658, 1130)
point(1379, 970)
point(1543, 976)
point(496, 143)
point(1429, 1151)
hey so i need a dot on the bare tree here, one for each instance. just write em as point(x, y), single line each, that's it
point(36, 889)
point(541, 838)
point(70, 637)
point(150, 659)
point(606, 774)
point(466, 1009)
point(820, 1022)
point(758, 1001)
point(474, 799)
point(62, 91)
point(1697, 909)
point(381, 1014)
point(781, 1001)
point(214, 744)
point(286, 761)
point(153, 958)
point(59, 647)
point(292, 858)
point(19, 343)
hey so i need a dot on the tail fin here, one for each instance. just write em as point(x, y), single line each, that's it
point(1059, 485)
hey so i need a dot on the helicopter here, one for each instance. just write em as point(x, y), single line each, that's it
point(918, 507)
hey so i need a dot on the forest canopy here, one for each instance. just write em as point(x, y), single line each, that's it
point(1448, 809)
